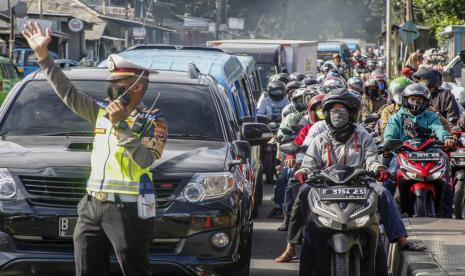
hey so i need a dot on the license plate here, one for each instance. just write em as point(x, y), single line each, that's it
point(66, 226)
point(424, 156)
point(343, 193)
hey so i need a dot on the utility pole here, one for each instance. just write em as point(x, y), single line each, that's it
point(12, 32)
point(41, 15)
point(104, 7)
point(388, 39)
point(219, 16)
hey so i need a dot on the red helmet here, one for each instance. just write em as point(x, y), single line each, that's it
point(313, 104)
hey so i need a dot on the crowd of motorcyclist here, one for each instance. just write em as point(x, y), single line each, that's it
point(335, 120)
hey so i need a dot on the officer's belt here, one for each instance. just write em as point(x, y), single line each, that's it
point(111, 197)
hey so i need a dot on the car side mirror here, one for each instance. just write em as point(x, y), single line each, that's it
point(263, 119)
point(392, 145)
point(256, 133)
point(241, 150)
point(462, 56)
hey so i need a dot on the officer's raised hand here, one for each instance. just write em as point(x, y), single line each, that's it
point(37, 39)
point(117, 111)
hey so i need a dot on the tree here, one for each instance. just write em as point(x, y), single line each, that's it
point(438, 14)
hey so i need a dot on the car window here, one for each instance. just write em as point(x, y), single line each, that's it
point(31, 59)
point(188, 109)
point(458, 69)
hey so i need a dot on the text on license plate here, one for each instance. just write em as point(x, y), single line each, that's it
point(424, 156)
point(66, 226)
point(343, 193)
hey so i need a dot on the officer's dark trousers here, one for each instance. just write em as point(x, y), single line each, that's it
point(106, 226)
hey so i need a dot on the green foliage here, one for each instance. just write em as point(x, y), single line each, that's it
point(438, 14)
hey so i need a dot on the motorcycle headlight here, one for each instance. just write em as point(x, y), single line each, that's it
point(404, 163)
point(205, 186)
point(8, 187)
point(330, 223)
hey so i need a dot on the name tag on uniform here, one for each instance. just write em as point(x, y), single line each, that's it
point(100, 131)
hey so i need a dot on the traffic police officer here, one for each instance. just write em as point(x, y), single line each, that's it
point(128, 139)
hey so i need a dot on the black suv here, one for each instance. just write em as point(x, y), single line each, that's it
point(205, 201)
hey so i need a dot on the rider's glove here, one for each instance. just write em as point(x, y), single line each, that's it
point(382, 174)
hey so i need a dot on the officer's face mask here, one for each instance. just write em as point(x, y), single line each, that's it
point(115, 90)
point(339, 117)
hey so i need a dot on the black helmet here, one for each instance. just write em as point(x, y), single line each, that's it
point(296, 76)
point(276, 90)
point(351, 102)
point(333, 73)
point(344, 97)
point(356, 84)
point(326, 67)
point(433, 76)
point(284, 77)
point(291, 86)
point(298, 99)
point(416, 89)
point(371, 88)
point(310, 81)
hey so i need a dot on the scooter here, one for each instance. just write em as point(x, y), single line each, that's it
point(421, 176)
point(457, 160)
point(343, 224)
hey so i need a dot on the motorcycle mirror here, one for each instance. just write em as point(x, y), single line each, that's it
point(273, 126)
point(392, 145)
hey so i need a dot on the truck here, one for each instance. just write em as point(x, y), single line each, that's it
point(274, 56)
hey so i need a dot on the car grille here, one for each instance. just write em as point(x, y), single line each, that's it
point(66, 192)
point(157, 246)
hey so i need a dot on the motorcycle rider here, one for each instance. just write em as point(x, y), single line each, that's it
point(348, 144)
point(356, 84)
point(382, 82)
point(372, 100)
point(315, 114)
point(273, 104)
point(413, 120)
point(290, 89)
point(441, 100)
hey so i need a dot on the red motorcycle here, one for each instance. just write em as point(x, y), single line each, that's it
point(423, 168)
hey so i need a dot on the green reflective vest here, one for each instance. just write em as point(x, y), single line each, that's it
point(113, 171)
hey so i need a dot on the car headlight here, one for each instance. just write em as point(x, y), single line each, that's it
point(205, 186)
point(8, 188)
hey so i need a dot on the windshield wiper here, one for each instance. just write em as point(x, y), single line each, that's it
point(194, 136)
point(69, 133)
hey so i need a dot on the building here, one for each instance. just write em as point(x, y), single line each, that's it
point(454, 39)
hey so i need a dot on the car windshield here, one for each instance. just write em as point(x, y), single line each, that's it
point(266, 71)
point(37, 110)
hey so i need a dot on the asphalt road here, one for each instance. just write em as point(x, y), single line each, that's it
point(268, 243)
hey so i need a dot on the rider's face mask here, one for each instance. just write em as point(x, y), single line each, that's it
point(415, 103)
point(381, 85)
point(339, 117)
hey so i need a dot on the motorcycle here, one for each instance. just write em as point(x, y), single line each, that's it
point(343, 225)
point(269, 153)
point(457, 160)
point(421, 175)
